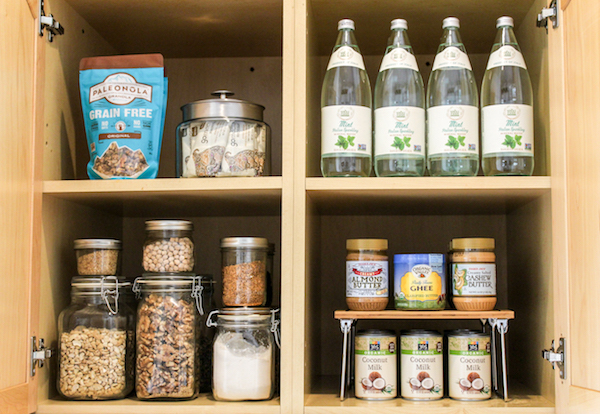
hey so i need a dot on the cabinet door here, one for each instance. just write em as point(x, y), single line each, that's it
point(577, 210)
point(20, 215)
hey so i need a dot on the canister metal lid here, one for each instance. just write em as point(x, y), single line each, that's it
point(169, 225)
point(376, 332)
point(107, 244)
point(473, 243)
point(245, 242)
point(222, 107)
point(366, 244)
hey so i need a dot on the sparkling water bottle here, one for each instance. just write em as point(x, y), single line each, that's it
point(399, 109)
point(452, 109)
point(346, 137)
point(506, 108)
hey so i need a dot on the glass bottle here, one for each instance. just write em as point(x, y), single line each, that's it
point(346, 134)
point(452, 109)
point(244, 353)
point(167, 337)
point(96, 345)
point(399, 142)
point(506, 107)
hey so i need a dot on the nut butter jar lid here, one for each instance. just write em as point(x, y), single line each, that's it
point(473, 243)
point(366, 244)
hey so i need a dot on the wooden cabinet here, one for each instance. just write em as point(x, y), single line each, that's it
point(274, 52)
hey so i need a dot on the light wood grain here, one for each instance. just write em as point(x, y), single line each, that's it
point(582, 56)
point(17, 72)
point(415, 315)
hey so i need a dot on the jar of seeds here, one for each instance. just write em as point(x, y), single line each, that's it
point(169, 246)
point(96, 347)
point(167, 336)
point(97, 257)
point(244, 271)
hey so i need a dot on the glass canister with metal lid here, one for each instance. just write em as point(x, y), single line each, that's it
point(97, 257)
point(96, 347)
point(169, 246)
point(244, 353)
point(166, 337)
point(223, 137)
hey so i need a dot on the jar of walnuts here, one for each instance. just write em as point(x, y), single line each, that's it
point(244, 271)
point(96, 341)
point(169, 246)
point(166, 337)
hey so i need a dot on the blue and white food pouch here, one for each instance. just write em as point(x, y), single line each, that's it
point(124, 100)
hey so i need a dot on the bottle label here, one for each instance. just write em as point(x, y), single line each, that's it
point(399, 58)
point(452, 129)
point(473, 279)
point(346, 128)
point(506, 56)
point(346, 56)
point(400, 129)
point(366, 279)
point(507, 128)
point(451, 57)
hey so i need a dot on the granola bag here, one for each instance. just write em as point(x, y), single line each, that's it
point(124, 100)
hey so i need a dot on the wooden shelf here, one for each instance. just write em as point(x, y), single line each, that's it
point(424, 195)
point(201, 405)
point(245, 196)
point(445, 314)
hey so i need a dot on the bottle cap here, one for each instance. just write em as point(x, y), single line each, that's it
point(346, 24)
point(399, 24)
point(450, 22)
point(505, 21)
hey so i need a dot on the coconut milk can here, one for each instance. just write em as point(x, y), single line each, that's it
point(421, 365)
point(469, 365)
point(375, 364)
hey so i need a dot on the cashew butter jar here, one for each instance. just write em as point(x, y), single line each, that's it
point(473, 274)
point(367, 274)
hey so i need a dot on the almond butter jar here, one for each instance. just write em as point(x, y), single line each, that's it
point(367, 274)
point(473, 274)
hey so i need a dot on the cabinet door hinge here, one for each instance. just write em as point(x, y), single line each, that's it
point(557, 358)
point(548, 13)
point(39, 354)
point(53, 27)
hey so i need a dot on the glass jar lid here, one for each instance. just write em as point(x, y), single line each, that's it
point(473, 243)
point(171, 284)
point(246, 317)
point(222, 107)
point(107, 287)
point(245, 242)
point(169, 225)
point(106, 244)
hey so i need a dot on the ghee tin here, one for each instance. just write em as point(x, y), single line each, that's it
point(421, 365)
point(469, 365)
point(375, 362)
point(420, 281)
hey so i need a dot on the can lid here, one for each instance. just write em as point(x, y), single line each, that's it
point(467, 333)
point(222, 107)
point(420, 332)
point(245, 242)
point(505, 21)
point(473, 243)
point(450, 22)
point(376, 332)
point(399, 24)
point(366, 244)
point(346, 24)
point(169, 225)
point(112, 244)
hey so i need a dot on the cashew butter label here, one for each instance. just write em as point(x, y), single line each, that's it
point(375, 359)
point(473, 279)
point(366, 279)
point(346, 56)
point(421, 367)
point(399, 58)
point(507, 128)
point(346, 128)
point(469, 368)
point(506, 56)
point(451, 58)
